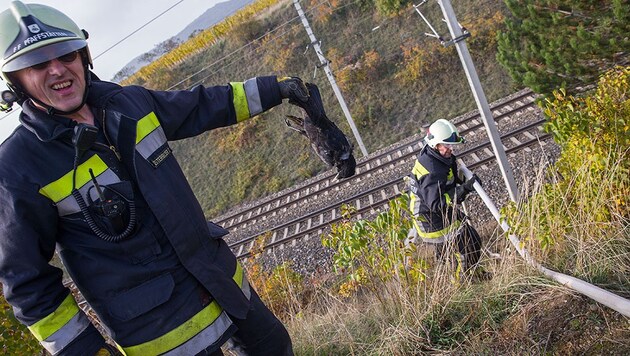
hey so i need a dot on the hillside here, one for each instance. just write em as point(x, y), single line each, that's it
point(209, 18)
point(393, 78)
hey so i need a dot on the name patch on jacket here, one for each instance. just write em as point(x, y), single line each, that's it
point(160, 155)
point(151, 141)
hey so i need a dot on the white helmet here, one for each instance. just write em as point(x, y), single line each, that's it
point(442, 131)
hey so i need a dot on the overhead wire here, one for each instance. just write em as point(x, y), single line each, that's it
point(233, 60)
point(246, 45)
point(231, 53)
point(138, 29)
point(279, 36)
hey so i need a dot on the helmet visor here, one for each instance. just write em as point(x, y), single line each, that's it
point(43, 54)
point(454, 139)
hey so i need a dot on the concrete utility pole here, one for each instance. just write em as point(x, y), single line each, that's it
point(458, 38)
point(331, 77)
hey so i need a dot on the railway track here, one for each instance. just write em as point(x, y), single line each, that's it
point(517, 133)
point(471, 126)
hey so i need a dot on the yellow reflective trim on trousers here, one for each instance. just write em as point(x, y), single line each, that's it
point(146, 125)
point(62, 187)
point(185, 331)
point(179, 335)
point(55, 320)
point(240, 101)
point(419, 170)
point(437, 234)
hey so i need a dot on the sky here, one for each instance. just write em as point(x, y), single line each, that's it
point(109, 21)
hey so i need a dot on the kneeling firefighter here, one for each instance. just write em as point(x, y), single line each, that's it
point(435, 191)
point(90, 174)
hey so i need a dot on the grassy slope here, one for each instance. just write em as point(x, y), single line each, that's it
point(232, 165)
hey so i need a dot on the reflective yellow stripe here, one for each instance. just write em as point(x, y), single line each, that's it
point(186, 330)
point(439, 233)
point(240, 101)
point(56, 320)
point(62, 187)
point(178, 335)
point(419, 170)
point(238, 274)
point(412, 202)
point(146, 125)
point(448, 199)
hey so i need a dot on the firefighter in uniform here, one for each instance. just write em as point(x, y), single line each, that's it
point(435, 191)
point(89, 174)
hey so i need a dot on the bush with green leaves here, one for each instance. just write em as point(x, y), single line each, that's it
point(580, 217)
point(370, 253)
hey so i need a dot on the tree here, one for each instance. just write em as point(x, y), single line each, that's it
point(549, 44)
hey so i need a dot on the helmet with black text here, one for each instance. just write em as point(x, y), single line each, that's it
point(31, 34)
point(443, 131)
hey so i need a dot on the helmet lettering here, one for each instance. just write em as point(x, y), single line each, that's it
point(45, 35)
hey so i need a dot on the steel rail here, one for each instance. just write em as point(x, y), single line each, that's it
point(296, 224)
point(394, 156)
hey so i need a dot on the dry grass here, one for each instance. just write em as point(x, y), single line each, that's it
point(517, 312)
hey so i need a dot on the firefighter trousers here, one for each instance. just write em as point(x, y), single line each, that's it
point(260, 333)
point(467, 244)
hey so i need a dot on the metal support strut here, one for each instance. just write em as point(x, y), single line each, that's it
point(458, 35)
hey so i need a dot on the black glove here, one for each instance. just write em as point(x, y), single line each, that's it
point(461, 193)
point(476, 177)
point(468, 184)
point(293, 88)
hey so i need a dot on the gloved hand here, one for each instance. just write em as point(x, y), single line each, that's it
point(462, 191)
point(476, 177)
point(293, 88)
point(468, 184)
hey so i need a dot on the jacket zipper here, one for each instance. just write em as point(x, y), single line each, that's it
point(111, 147)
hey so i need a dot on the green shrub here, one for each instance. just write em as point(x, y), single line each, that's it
point(580, 217)
point(371, 253)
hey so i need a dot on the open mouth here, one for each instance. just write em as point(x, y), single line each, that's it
point(63, 85)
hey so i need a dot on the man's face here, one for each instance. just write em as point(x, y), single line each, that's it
point(59, 83)
point(445, 150)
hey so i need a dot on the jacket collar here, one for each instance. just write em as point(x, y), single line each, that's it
point(437, 156)
point(101, 92)
point(45, 127)
point(51, 127)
